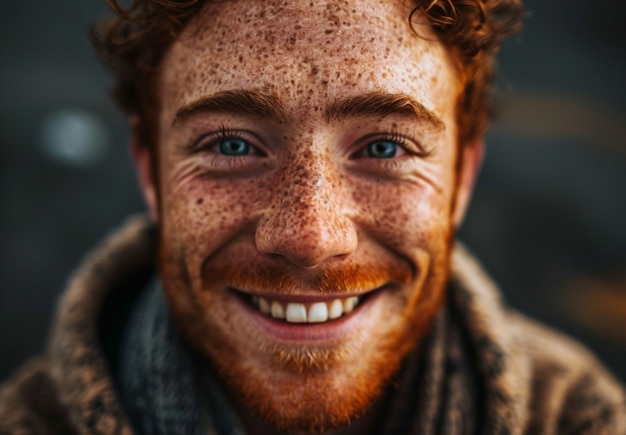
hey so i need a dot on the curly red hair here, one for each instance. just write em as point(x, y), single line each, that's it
point(132, 44)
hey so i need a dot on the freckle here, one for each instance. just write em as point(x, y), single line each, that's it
point(199, 200)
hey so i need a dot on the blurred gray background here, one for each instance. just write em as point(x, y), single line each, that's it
point(547, 221)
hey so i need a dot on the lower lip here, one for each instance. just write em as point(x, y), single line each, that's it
point(326, 331)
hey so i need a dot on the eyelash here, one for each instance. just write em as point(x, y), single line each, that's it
point(212, 139)
point(395, 137)
point(409, 146)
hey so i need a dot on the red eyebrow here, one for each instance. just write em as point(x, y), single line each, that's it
point(381, 104)
point(236, 102)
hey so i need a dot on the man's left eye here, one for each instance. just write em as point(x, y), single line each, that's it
point(382, 149)
point(234, 147)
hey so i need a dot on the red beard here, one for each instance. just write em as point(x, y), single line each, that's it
point(308, 387)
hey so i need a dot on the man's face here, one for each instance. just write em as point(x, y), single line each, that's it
point(307, 156)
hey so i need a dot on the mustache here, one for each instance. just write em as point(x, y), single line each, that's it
point(291, 280)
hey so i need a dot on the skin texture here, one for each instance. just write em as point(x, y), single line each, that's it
point(307, 214)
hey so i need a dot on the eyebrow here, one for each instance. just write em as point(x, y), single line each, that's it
point(237, 102)
point(269, 106)
point(381, 104)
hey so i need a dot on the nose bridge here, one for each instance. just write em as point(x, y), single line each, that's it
point(312, 181)
point(307, 221)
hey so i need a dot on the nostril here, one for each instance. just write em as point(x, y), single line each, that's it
point(307, 241)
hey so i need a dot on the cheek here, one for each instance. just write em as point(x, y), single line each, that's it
point(403, 216)
point(203, 214)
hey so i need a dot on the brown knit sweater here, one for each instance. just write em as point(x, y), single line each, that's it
point(530, 379)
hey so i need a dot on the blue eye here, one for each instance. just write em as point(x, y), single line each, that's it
point(234, 147)
point(382, 149)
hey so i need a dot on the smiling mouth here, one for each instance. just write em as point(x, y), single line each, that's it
point(297, 312)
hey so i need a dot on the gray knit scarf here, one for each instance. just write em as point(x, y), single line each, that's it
point(165, 389)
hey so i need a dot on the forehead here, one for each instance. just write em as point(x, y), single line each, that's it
point(307, 53)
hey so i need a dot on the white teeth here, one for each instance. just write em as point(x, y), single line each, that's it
point(264, 305)
point(336, 309)
point(278, 311)
point(349, 304)
point(296, 313)
point(318, 312)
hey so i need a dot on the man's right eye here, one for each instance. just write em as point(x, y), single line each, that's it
point(234, 147)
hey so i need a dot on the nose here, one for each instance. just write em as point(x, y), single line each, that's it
point(308, 221)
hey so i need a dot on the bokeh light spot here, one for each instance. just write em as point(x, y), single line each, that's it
point(74, 137)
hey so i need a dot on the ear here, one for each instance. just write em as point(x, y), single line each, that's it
point(472, 154)
point(143, 165)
